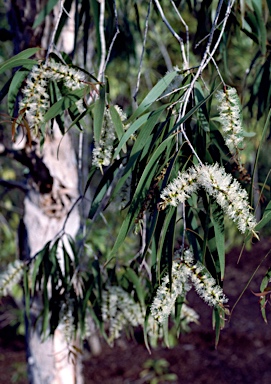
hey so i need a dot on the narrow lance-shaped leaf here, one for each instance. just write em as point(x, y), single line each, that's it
point(265, 219)
point(98, 115)
point(142, 187)
point(66, 102)
point(132, 276)
point(217, 219)
point(154, 94)
point(44, 12)
point(19, 60)
point(130, 131)
point(15, 86)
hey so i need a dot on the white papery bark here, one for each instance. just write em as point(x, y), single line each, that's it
point(46, 213)
point(44, 218)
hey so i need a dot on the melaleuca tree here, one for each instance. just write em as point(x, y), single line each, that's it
point(166, 117)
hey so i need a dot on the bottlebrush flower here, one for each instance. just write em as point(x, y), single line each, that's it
point(227, 191)
point(102, 153)
point(120, 310)
point(36, 100)
point(180, 189)
point(230, 117)
point(184, 275)
point(229, 194)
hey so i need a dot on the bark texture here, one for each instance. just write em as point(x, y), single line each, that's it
point(44, 218)
point(49, 203)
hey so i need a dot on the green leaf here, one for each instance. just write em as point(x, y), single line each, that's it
point(166, 239)
point(65, 103)
point(45, 312)
point(26, 294)
point(217, 323)
point(16, 63)
point(257, 6)
point(109, 178)
point(98, 115)
point(145, 132)
point(193, 110)
point(19, 60)
point(132, 276)
point(130, 131)
point(55, 95)
point(154, 94)
point(36, 269)
point(217, 219)
point(264, 288)
point(44, 12)
point(15, 86)
point(265, 219)
point(263, 137)
point(140, 194)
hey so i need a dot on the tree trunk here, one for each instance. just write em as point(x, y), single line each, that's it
point(44, 218)
point(49, 204)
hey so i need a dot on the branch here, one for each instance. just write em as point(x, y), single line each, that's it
point(177, 37)
point(51, 44)
point(114, 37)
point(143, 50)
point(186, 58)
point(207, 57)
point(10, 184)
point(102, 40)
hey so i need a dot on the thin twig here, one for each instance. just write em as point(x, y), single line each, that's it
point(218, 71)
point(143, 50)
point(207, 57)
point(80, 160)
point(102, 40)
point(14, 184)
point(51, 44)
point(114, 37)
point(177, 37)
point(208, 35)
point(185, 57)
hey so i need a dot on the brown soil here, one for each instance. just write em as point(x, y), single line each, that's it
point(243, 355)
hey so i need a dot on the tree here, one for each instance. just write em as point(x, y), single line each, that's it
point(164, 183)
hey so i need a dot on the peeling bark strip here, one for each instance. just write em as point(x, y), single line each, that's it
point(50, 198)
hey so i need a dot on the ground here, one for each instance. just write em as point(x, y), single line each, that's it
point(243, 355)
